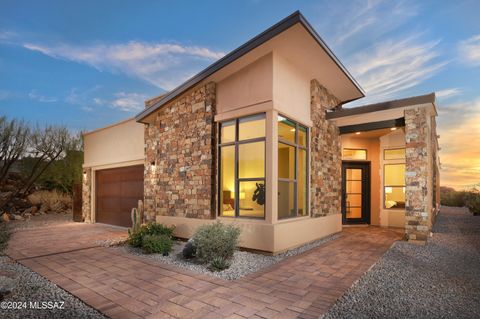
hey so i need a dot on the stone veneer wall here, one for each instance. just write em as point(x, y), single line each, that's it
point(87, 195)
point(417, 165)
point(326, 155)
point(179, 175)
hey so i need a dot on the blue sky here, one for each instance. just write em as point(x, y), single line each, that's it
point(86, 64)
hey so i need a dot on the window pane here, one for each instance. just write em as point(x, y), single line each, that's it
point(251, 127)
point(398, 153)
point(286, 161)
point(286, 129)
point(227, 130)
point(354, 174)
point(394, 197)
point(251, 201)
point(302, 183)
point(395, 175)
point(286, 202)
point(354, 200)
point(227, 181)
point(302, 135)
point(251, 160)
point(351, 154)
point(354, 187)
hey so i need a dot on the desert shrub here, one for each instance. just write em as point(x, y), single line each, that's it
point(216, 240)
point(135, 238)
point(51, 200)
point(4, 236)
point(472, 201)
point(451, 197)
point(219, 264)
point(189, 251)
point(157, 244)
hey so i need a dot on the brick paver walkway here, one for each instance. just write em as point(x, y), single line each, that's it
point(126, 286)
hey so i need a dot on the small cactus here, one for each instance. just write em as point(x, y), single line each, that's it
point(137, 216)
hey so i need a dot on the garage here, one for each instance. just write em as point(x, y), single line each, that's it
point(117, 192)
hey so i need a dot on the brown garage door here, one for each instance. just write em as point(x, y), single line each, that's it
point(117, 192)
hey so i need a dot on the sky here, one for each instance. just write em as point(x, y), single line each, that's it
point(86, 64)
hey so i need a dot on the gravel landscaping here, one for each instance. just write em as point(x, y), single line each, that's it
point(242, 264)
point(438, 280)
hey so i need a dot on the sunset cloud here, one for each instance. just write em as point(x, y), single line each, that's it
point(459, 131)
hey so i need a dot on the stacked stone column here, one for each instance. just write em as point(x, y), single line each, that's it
point(417, 163)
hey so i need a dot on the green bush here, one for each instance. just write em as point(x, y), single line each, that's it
point(451, 197)
point(216, 241)
point(219, 264)
point(135, 238)
point(472, 201)
point(157, 244)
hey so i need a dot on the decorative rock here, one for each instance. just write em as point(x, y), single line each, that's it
point(5, 217)
point(6, 286)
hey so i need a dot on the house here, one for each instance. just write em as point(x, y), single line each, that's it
point(260, 139)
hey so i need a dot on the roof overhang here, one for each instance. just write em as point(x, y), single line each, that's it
point(305, 48)
point(385, 111)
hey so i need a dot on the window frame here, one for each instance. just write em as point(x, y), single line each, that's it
point(385, 186)
point(392, 149)
point(355, 149)
point(236, 143)
point(297, 147)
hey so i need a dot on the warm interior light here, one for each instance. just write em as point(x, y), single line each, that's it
point(403, 188)
point(388, 190)
point(242, 195)
point(358, 133)
point(393, 129)
point(292, 130)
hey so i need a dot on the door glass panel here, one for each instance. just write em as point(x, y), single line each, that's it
point(354, 187)
point(251, 201)
point(354, 174)
point(354, 200)
point(354, 212)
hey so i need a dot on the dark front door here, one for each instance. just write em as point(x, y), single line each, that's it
point(356, 192)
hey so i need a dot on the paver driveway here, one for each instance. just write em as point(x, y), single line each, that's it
point(126, 286)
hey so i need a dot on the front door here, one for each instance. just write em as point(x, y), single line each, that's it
point(356, 192)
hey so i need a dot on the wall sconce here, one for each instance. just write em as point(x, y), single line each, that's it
point(84, 174)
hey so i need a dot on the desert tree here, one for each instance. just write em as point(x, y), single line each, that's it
point(14, 141)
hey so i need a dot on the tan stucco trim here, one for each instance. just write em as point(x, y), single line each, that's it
point(259, 235)
point(105, 165)
point(261, 107)
point(109, 126)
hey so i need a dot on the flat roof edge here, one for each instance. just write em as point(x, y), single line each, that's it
point(382, 106)
point(237, 53)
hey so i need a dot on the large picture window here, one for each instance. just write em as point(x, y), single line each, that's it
point(242, 167)
point(394, 185)
point(292, 169)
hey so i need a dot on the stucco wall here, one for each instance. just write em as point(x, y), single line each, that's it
point(291, 90)
point(249, 86)
point(121, 142)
